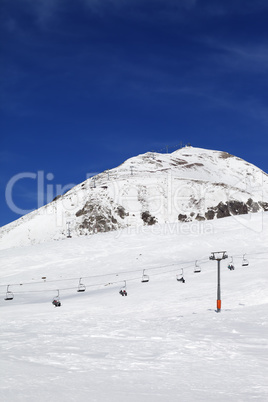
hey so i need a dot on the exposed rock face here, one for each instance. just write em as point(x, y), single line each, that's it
point(191, 184)
point(97, 218)
point(148, 218)
point(264, 205)
point(183, 218)
point(226, 209)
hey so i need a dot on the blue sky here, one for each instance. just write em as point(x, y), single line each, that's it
point(86, 84)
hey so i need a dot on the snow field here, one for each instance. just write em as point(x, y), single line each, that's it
point(162, 342)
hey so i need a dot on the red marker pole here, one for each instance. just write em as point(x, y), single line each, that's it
point(219, 288)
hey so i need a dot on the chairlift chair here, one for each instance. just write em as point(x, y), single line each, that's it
point(244, 261)
point(9, 294)
point(230, 265)
point(81, 286)
point(180, 277)
point(197, 268)
point(56, 301)
point(145, 278)
point(123, 290)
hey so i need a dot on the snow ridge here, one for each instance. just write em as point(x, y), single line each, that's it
point(190, 184)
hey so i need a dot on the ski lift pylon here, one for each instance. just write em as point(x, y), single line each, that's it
point(9, 294)
point(123, 290)
point(81, 286)
point(56, 301)
point(197, 268)
point(244, 261)
point(145, 278)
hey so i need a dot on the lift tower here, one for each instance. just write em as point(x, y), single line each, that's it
point(218, 256)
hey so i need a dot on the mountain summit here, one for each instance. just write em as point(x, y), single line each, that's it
point(186, 185)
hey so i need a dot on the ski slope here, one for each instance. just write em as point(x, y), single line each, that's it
point(164, 341)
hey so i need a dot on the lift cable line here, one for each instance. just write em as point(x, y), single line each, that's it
point(105, 275)
point(92, 285)
point(99, 284)
point(56, 300)
point(186, 265)
point(165, 149)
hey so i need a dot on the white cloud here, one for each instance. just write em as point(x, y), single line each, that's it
point(45, 10)
point(243, 57)
point(249, 57)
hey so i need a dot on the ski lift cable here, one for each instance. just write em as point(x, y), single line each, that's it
point(92, 285)
point(97, 276)
point(90, 276)
point(189, 265)
point(103, 275)
point(185, 264)
point(72, 288)
point(248, 254)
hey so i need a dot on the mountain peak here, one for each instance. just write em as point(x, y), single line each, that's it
point(186, 185)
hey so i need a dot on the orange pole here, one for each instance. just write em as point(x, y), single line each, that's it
point(219, 287)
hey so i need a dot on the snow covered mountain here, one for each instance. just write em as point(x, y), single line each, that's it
point(190, 184)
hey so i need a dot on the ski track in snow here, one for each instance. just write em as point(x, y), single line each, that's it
point(163, 342)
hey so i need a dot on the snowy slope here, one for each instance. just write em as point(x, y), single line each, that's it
point(187, 185)
point(164, 341)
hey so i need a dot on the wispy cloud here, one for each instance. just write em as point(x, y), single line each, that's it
point(45, 11)
point(212, 97)
point(220, 8)
point(155, 73)
point(238, 56)
point(249, 58)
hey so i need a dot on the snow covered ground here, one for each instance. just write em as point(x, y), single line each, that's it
point(164, 341)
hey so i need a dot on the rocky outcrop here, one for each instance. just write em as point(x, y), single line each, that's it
point(223, 210)
point(148, 219)
point(96, 218)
